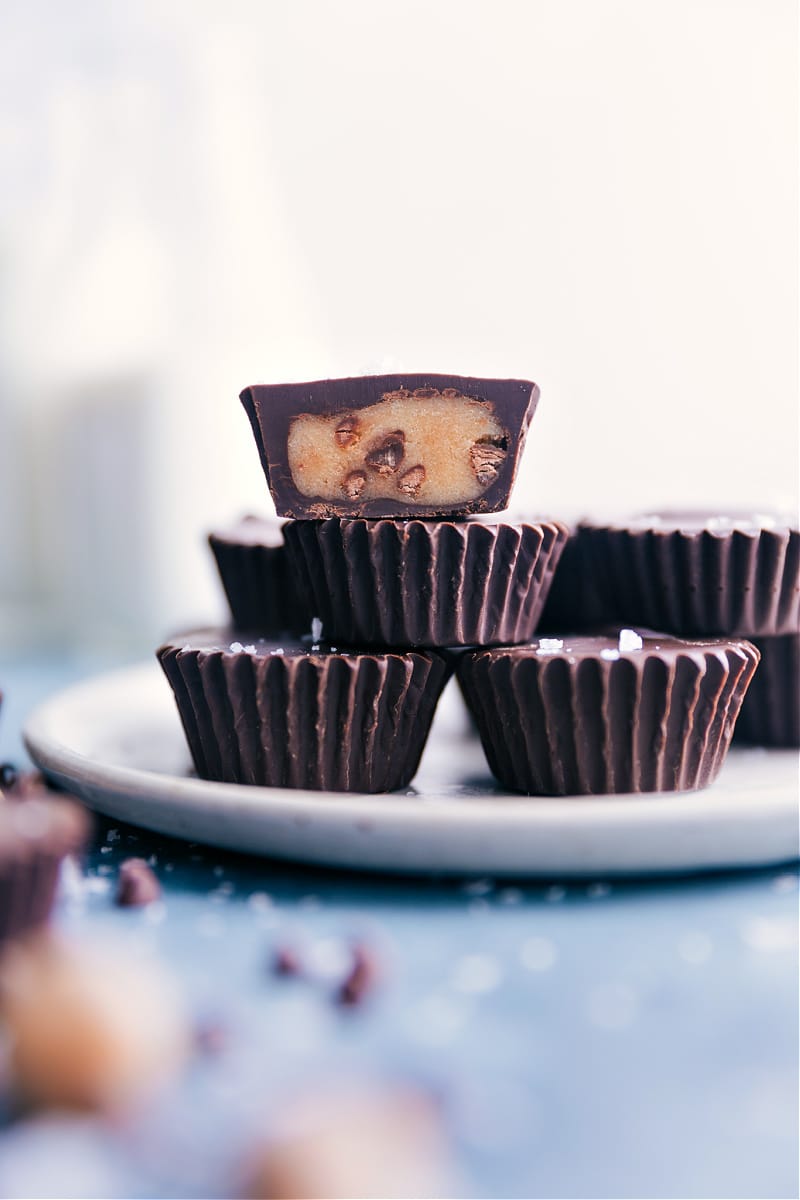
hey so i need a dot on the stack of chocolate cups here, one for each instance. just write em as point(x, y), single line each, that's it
point(391, 559)
point(396, 555)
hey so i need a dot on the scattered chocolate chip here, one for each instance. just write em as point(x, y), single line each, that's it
point(360, 979)
point(22, 785)
point(347, 432)
point(412, 480)
point(8, 775)
point(426, 393)
point(211, 1038)
point(385, 457)
point(486, 455)
point(286, 962)
point(136, 884)
point(354, 484)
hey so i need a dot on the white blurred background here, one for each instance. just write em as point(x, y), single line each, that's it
point(600, 195)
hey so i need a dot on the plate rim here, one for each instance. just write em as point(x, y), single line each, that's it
point(384, 811)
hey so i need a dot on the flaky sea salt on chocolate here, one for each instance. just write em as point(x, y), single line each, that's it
point(391, 445)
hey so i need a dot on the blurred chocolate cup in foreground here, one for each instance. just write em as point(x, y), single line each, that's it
point(90, 1027)
point(37, 831)
point(349, 1144)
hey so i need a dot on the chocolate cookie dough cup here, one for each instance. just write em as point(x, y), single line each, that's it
point(36, 834)
point(297, 717)
point(425, 583)
point(589, 717)
point(701, 575)
point(391, 445)
point(252, 564)
point(770, 714)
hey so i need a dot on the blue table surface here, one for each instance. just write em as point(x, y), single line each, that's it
point(638, 1039)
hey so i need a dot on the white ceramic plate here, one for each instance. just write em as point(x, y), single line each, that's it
point(117, 742)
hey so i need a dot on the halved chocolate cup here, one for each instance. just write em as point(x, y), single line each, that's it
point(391, 445)
point(37, 831)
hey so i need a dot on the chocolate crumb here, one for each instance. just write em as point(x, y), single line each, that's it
point(286, 962)
point(360, 979)
point(23, 785)
point(211, 1038)
point(8, 775)
point(136, 885)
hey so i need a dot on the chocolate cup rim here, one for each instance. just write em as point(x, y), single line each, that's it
point(471, 521)
point(345, 652)
point(628, 527)
point(227, 535)
point(672, 645)
point(389, 375)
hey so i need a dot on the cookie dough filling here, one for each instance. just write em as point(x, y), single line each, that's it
point(424, 446)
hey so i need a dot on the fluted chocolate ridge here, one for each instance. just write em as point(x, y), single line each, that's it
point(425, 583)
point(726, 579)
point(295, 718)
point(259, 585)
point(770, 714)
point(579, 721)
point(36, 833)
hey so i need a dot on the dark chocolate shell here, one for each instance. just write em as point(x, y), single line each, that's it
point(590, 719)
point(770, 714)
point(36, 833)
point(252, 563)
point(295, 718)
point(425, 583)
point(719, 577)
